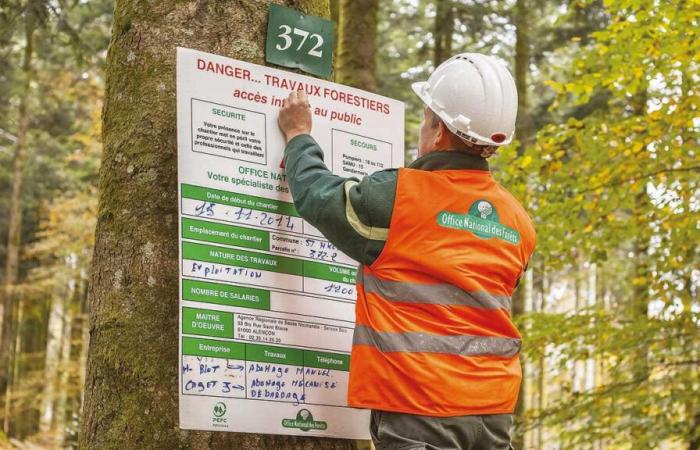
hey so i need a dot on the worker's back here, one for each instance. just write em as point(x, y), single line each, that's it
point(434, 334)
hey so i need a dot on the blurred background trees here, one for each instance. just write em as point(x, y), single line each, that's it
point(606, 161)
point(51, 61)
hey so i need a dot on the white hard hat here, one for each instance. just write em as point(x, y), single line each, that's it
point(475, 96)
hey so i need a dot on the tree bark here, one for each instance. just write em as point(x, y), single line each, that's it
point(9, 320)
point(53, 357)
point(131, 395)
point(443, 28)
point(334, 6)
point(357, 44)
point(522, 133)
point(523, 130)
point(59, 422)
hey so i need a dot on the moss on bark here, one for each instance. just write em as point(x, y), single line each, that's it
point(131, 395)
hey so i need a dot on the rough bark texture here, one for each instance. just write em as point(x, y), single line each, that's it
point(131, 385)
point(10, 313)
point(357, 44)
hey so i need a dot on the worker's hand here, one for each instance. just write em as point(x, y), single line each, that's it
point(295, 115)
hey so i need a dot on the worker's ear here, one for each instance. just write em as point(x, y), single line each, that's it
point(441, 135)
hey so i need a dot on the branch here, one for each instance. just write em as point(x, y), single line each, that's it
point(680, 363)
point(8, 135)
point(635, 178)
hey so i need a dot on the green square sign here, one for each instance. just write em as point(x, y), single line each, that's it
point(297, 40)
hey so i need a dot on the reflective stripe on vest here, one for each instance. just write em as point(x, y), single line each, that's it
point(464, 345)
point(436, 294)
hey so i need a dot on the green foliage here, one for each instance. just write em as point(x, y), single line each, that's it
point(654, 404)
point(613, 179)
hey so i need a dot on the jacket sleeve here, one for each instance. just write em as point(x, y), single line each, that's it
point(354, 215)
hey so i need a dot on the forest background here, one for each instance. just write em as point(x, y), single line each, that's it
point(606, 161)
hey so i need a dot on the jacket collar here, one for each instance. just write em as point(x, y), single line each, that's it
point(450, 160)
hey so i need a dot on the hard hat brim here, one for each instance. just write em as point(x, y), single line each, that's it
point(419, 88)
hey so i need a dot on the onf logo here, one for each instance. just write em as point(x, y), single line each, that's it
point(304, 421)
point(219, 412)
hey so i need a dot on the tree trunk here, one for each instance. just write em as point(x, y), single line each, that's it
point(7, 291)
point(519, 301)
point(53, 356)
point(577, 379)
point(523, 130)
point(334, 6)
point(59, 422)
point(443, 28)
point(84, 342)
point(543, 287)
point(13, 370)
point(522, 133)
point(357, 46)
point(131, 394)
point(590, 381)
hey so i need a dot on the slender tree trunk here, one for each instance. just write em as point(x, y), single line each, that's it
point(518, 309)
point(591, 300)
point(523, 130)
point(7, 291)
point(53, 356)
point(357, 46)
point(59, 422)
point(577, 381)
point(14, 368)
point(84, 342)
point(530, 305)
point(694, 442)
point(443, 28)
point(522, 57)
point(542, 363)
point(131, 394)
point(521, 406)
point(335, 17)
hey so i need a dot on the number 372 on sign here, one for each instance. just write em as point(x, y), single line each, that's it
point(299, 41)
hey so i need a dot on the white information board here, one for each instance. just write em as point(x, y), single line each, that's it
point(266, 302)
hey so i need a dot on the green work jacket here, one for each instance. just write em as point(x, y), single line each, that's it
point(354, 215)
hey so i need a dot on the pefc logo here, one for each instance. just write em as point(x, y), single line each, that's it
point(219, 411)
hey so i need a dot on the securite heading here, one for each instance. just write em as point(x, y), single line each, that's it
point(311, 89)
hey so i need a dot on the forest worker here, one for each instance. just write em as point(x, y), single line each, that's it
point(442, 246)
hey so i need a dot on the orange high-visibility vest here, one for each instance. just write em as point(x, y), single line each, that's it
point(434, 334)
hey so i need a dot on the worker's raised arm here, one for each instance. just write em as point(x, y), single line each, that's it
point(353, 215)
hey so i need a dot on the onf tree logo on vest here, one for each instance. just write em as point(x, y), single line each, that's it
point(304, 421)
point(482, 220)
